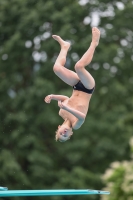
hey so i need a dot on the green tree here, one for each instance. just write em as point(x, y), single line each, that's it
point(30, 157)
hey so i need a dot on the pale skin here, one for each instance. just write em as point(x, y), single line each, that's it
point(73, 109)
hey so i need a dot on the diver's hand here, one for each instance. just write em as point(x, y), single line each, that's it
point(48, 98)
point(79, 115)
point(62, 105)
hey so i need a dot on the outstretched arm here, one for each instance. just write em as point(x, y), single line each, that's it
point(55, 97)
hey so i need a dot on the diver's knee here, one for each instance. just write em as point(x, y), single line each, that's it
point(56, 68)
point(79, 66)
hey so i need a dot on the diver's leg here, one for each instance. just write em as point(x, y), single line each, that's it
point(85, 77)
point(62, 72)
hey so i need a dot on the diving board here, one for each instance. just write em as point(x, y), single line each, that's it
point(19, 193)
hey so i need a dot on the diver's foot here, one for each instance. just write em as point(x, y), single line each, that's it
point(63, 43)
point(95, 36)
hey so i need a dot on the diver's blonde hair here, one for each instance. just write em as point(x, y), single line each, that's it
point(56, 136)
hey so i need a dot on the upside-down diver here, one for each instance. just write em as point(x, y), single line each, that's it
point(74, 109)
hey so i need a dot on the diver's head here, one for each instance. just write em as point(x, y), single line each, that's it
point(63, 133)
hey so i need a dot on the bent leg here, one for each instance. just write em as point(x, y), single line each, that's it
point(63, 73)
point(85, 77)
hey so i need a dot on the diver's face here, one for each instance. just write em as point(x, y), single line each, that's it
point(64, 133)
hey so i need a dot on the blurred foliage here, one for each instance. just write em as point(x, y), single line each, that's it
point(119, 179)
point(29, 156)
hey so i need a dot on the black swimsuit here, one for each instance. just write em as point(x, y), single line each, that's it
point(79, 86)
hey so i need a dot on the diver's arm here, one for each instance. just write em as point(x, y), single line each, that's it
point(76, 113)
point(59, 97)
point(55, 97)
